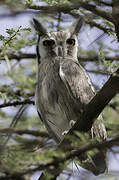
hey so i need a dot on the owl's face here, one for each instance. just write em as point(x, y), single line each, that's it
point(61, 43)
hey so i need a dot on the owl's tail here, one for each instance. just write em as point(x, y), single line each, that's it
point(94, 161)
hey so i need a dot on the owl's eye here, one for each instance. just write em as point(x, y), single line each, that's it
point(71, 42)
point(48, 43)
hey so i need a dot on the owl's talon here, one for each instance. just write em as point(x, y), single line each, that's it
point(98, 129)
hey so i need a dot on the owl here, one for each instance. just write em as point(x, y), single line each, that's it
point(63, 85)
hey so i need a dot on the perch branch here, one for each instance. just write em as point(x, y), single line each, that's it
point(98, 103)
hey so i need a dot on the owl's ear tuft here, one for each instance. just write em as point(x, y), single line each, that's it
point(75, 27)
point(38, 27)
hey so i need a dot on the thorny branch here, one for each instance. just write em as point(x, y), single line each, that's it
point(12, 37)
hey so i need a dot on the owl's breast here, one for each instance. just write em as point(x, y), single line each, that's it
point(52, 90)
point(49, 83)
point(53, 101)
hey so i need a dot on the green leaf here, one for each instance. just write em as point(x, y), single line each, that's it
point(2, 37)
point(3, 95)
point(10, 31)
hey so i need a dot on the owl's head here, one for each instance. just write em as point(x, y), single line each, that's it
point(60, 43)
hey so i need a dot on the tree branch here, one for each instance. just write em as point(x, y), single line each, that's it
point(106, 3)
point(21, 132)
point(80, 58)
point(16, 103)
point(97, 11)
point(99, 72)
point(115, 15)
point(98, 103)
point(99, 26)
point(67, 9)
point(96, 58)
point(70, 155)
point(20, 56)
point(92, 23)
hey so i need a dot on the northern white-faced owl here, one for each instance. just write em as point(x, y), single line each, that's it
point(63, 86)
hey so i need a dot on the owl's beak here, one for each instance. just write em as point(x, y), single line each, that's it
point(59, 51)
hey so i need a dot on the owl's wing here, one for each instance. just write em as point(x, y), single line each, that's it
point(76, 80)
point(80, 88)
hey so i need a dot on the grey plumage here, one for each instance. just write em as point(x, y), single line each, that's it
point(63, 86)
